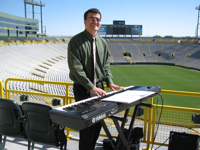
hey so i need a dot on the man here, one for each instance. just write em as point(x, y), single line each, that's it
point(81, 65)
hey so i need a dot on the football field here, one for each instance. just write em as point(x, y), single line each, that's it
point(167, 77)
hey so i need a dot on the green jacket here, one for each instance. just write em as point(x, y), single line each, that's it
point(80, 60)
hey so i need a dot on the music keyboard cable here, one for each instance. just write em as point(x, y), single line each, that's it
point(158, 120)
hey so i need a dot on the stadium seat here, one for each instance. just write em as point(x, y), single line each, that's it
point(11, 121)
point(40, 129)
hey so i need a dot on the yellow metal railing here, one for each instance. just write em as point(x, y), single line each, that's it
point(1, 89)
point(182, 123)
point(184, 93)
point(168, 119)
point(129, 59)
point(66, 98)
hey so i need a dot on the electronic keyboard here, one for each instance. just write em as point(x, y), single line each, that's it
point(85, 113)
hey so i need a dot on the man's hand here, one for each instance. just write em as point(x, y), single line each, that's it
point(114, 87)
point(99, 92)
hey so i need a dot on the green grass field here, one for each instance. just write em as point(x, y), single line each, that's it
point(167, 77)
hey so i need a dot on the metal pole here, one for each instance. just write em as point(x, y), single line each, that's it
point(197, 25)
point(41, 17)
point(45, 30)
point(33, 9)
point(25, 7)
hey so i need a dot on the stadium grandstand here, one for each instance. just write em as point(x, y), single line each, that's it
point(34, 68)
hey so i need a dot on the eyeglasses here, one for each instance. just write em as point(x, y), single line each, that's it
point(93, 19)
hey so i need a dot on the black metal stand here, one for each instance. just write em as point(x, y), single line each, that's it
point(121, 137)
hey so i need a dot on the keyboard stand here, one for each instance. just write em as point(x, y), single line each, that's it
point(121, 137)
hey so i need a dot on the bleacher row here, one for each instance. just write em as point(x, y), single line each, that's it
point(153, 39)
point(66, 39)
point(185, 54)
point(37, 61)
point(8, 40)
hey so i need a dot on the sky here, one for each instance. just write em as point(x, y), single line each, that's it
point(177, 18)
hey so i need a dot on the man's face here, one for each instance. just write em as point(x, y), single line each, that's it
point(93, 23)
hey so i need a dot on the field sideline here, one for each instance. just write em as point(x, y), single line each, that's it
point(167, 77)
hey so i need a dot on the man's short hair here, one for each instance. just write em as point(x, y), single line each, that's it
point(92, 10)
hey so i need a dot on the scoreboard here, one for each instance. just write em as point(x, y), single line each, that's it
point(119, 28)
point(137, 29)
point(118, 22)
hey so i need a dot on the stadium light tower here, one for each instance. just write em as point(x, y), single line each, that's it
point(33, 3)
point(197, 27)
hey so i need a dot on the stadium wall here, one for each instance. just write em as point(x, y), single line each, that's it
point(14, 26)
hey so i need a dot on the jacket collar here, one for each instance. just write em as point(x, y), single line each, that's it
point(89, 36)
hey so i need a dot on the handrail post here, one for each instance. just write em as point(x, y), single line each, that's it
point(149, 124)
point(67, 95)
point(145, 123)
point(66, 102)
point(1, 89)
point(153, 124)
point(6, 89)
